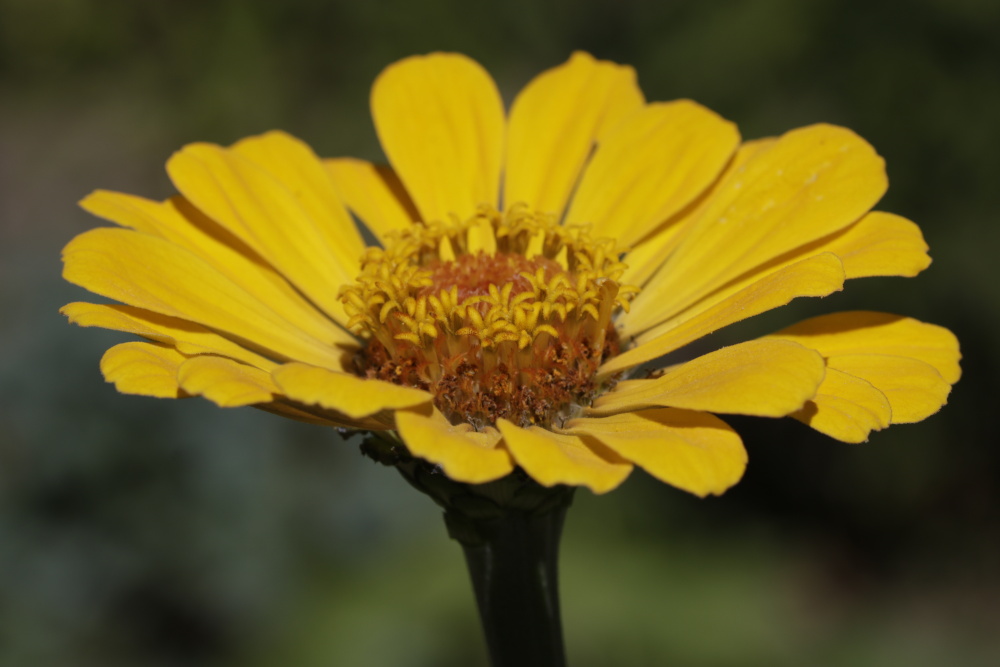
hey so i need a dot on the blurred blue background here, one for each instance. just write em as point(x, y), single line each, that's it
point(135, 531)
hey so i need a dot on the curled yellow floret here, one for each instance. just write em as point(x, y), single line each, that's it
point(515, 332)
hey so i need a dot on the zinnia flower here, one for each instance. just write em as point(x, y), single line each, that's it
point(524, 265)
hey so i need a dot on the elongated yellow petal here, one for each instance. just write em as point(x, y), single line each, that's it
point(814, 276)
point(315, 418)
point(881, 244)
point(294, 165)
point(555, 122)
point(153, 274)
point(766, 378)
point(189, 338)
point(440, 120)
point(805, 186)
point(181, 223)
point(846, 407)
point(293, 412)
point(650, 168)
point(138, 213)
point(694, 451)
point(652, 251)
point(866, 332)
point(552, 458)
point(374, 193)
point(912, 363)
point(915, 389)
point(280, 223)
point(227, 383)
point(351, 395)
point(146, 369)
point(464, 456)
point(156, 370)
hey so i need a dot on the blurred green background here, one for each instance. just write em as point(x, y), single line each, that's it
point(142, 532)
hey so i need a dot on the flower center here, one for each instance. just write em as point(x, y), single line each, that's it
point(505, 315)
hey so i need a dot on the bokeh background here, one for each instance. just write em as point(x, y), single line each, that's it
point(135, 531)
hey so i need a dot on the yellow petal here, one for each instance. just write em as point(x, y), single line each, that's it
point(878, 244)
point(374, 193)
point(555, 122)
point(142, 215)
point(181, 223)
point(317, 417)
point(440, 120)
point(464, 456)
point(650, 168)
point(694, 451)
point(262, 209)
point(189, 338)
point(915, 389)
point(846, 408)
point(866, 332)
point(294, 165)
point(227, 383)
point(766, 378)
point(552, 458)
point(881, 244)
point(143, 368)
point(351, 395)
point(153, 274)
point(652, 251)
point(809, 184)
point(815, 276)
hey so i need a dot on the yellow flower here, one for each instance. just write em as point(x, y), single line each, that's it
point(526, 264)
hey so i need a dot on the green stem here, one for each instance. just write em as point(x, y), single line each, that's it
point(509, 529)
point(513, 565)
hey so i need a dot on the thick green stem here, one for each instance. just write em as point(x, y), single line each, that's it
point(510, 530)
point(515, 576)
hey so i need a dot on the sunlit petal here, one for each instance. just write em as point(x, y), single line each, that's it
point(308, 237)
point(146, 369)
point(650, 167)
point(153, 274)
point(819, 275)
point(555, 122)
point(227, 383)
point(187, 337)
point(551, 458)
point(808, 184)
point(766, 378)
point(177, 221)
point(349, 394)
point(694, 451)
point(915, 389)
point(464, 454)
point(441, 123)
point(867, 332)
point(374, 193)
point(881, 244)
point(653, 250)
point(846, 407)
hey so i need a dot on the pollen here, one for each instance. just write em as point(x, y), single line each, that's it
point(504, 315)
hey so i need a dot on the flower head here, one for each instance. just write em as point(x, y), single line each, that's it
point(526, 264)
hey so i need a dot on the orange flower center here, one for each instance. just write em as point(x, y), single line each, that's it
point(504, 315)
